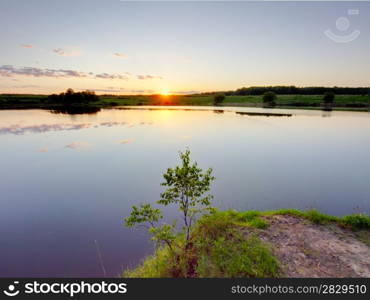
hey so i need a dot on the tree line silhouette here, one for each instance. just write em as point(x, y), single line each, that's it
point(293, 90)
point(71, 97)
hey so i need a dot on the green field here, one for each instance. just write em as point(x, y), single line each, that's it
point(342, 102)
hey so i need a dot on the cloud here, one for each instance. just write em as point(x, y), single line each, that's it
point(78, 145)
point(139, 91)
point(185, 92)
point(120, 55)
point(112, 89)
point(112, 76)
point(66, 52)
point(27, 46)
point(59, 51)
point(121, 90)
point(125, 141)
point(25, 86)
point(43, 150)
point(10, 71)
point(146, 77)
point(107, 90)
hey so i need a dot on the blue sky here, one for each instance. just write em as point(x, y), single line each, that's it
point(148, 47)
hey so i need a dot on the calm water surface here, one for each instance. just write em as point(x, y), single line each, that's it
point(67, 181)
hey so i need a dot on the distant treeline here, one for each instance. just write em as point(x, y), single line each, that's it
point(293, 90)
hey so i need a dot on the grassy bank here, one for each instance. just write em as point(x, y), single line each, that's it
point(342, 102)
point(246, 244)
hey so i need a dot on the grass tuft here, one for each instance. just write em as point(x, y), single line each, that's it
point(154, 266)
point(356, 221)
point(318, 218)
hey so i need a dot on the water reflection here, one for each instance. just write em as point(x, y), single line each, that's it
point(74, 184)
point(268, 111)
point(78, 145)
point(19, 129)
point(262, 114)
point(326, 113)
point(75, 110)
point(44, 150)
point(125, 141)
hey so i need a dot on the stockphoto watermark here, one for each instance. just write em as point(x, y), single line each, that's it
point(70, 289)
point(344, 33)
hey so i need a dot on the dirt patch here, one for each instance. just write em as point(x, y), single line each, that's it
point(310, 250)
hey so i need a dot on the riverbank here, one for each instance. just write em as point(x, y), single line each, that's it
point(342, 102)
point(283, 243)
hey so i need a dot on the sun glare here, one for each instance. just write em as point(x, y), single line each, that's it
point(165, 92)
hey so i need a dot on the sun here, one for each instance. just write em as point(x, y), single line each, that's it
point(165, 92)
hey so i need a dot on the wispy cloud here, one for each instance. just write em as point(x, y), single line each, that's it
point(59, 51)
point(146, 77)
point(120, 55)
point(78, 145)
point(27, 46)
point(185, 92)
point(67, 52)
point(25, 86)
point(11, 71)
point(112, 76)
point(122, 90)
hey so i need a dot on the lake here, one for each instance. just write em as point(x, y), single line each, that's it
point(68, 179)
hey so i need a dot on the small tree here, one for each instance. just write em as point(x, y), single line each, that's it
point(188, 187)
point(269, 98)
point(328, 98)
point(218, 99)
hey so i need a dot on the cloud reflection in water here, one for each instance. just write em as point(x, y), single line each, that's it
point(18, 129)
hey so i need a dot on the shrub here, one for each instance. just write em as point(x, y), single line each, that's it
point(328, 98)
point(269, 98)
point(218, 99)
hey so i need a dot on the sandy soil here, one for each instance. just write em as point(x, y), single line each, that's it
point(310, 250)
